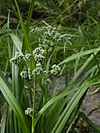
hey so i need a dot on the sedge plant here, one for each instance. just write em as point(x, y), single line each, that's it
point(32, 106)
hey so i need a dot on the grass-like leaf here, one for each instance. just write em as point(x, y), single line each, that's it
point(14, 104)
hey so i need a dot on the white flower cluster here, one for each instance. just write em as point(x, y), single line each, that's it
point(50, 36)
point(38, 70)
point(19, 57)
point(38, 29)
point(55, 69)
point(38, 54)
point(28, 111)
point(48, 31)
point(26, 74)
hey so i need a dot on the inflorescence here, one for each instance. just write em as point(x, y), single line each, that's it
point(46, 44)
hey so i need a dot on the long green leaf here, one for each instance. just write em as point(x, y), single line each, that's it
point(50, 102)
point(26, 41)
point(71, 105)
point(75, 56)
point(14, 104)
point(17, 42)
point(82, 68)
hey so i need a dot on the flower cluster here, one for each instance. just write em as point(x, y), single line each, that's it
point(38, 54)
point(26, 74)
point(52, 34)
point(38, 29)
point(49, 38)
point(17, 58)
point(47, 41)
point(55, 69)
point(38, 70)
point(29, 111)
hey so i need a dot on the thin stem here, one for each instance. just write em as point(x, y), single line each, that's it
point(34, 92)
point(96, 62)
point(66, 81)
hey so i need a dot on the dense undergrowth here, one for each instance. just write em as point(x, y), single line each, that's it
point(35, 52)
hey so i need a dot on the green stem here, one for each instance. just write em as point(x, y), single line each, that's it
point(34, 92)
point(33, 124)
point(96, 62)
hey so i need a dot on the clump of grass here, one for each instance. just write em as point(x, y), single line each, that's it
point(32, 107)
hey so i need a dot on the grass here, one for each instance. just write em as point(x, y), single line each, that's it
point(37, 53)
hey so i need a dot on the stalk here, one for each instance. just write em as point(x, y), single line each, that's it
point(34, 96)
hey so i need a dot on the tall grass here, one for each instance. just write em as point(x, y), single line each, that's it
point(32, 106)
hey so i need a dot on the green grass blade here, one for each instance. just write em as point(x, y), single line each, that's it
point(71, 105)
point(74, 56)
point(14, 104)
point(17, 42)
point(29, 15)
point(26, 38)
point(4, 115)
point(82, 68)
point(50, 102)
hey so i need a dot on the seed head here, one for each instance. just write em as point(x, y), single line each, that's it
point(38, 70)
point(38, 54)
point(24, 74)
point(28, 111)
point(17, 58)
point(55, 69)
